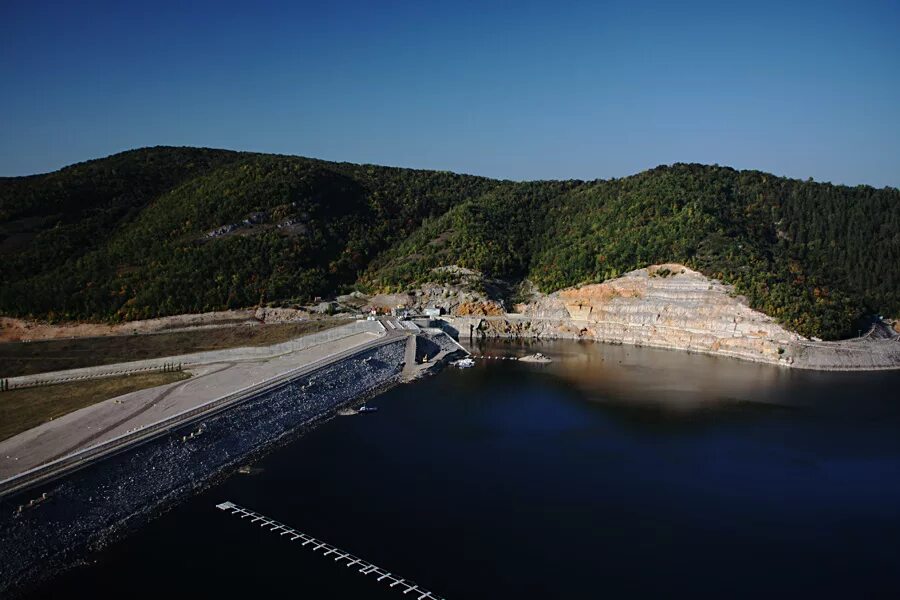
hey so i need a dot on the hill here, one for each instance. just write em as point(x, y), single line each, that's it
point(162, 231)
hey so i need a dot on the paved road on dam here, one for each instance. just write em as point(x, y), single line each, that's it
point(121, 421)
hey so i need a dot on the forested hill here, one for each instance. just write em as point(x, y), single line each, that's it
point(161, 231)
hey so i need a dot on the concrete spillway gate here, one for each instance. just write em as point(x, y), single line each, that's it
point(364, 567)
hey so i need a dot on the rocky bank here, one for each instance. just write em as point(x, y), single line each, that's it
point(672, 306)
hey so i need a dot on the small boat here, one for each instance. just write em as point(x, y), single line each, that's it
point(366, 409)
point(464, 363)
point(537, 357)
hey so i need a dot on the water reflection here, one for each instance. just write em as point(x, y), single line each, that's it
point(674, 383)
point(614, 471)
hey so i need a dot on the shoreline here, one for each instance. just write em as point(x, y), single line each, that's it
point(104, 501)
point(808, 355)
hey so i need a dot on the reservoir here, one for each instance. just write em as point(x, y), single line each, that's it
point(614, 471)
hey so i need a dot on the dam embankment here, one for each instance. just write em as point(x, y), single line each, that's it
point(98, 503)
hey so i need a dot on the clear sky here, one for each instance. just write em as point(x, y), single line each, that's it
point(517, 90)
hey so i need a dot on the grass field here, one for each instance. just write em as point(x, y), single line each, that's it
point(28, 358)
point(25, 408)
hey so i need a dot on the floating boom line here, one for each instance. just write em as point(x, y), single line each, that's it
point(364, 567)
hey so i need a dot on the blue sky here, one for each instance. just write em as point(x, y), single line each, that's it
point(517, 90)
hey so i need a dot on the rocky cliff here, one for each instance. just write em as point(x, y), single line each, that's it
point(669, 306)
point(672, 306)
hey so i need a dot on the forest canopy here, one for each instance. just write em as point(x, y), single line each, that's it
point(161, 231)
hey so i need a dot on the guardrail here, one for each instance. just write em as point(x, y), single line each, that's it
point(81, 458)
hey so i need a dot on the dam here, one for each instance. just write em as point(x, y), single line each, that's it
point(100, 491)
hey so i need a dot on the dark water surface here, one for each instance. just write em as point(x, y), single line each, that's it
point(613, 472)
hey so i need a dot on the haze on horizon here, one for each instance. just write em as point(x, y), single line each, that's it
point(524, 90)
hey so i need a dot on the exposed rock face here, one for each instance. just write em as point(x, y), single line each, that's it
point(462, 292)
point(386, 302)
point(669, 306)
point(483, 308)
point(280, 315)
